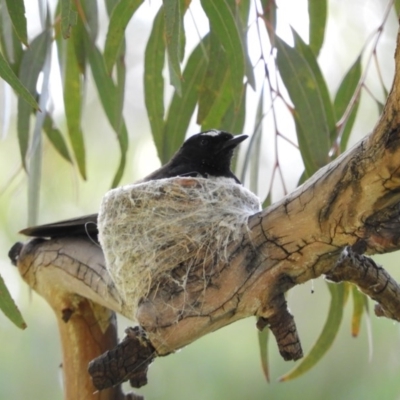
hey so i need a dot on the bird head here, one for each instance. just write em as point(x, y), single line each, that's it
point(214, 148)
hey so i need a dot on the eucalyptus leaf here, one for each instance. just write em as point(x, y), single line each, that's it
point(173, 30)
point(8, 306)
point(154, 83)
point(120, 16)
point(55, 137)
point(182, 107)
point(343, 99)
point(73, 106)
point(31, 65)
point(263, 338)
point(317, 11)
point(234, 117)
point(215, 83)
point(69, 17)
point(16, 10)
point(309, 113)
point(9, 76)
point(10, 43)
point(112, 102)
point(327, 336)
point(308, 54)
point(223, 24)
point(358, 310)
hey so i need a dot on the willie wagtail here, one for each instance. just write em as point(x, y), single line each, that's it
point(205, 154)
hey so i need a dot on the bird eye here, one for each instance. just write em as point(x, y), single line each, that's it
point(203, 142)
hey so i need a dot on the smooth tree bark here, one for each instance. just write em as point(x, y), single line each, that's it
point(348, 208)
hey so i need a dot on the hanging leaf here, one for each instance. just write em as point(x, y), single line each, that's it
point(234, 118)
point(10, 43)
point(317, 11)
point(216, 83)
point(173, 32)
point(223, 25)
point(263, 338)
point(343, 98)
point(154, 83)
point(91, 12)
point(309, 113)
point(8, 75)
point(327, 336)
point(111, 101)
point(8, 306)
point(359, 300)
point(120, 86)
point(119, 19)
point(119, 105)
point(55, 137)
point(31, 66)
point(69, 17)
point(242, 16)
point(223, 99)
point(306, 51)
point(79, 47)
point(16, 10)
point(182, 107)
point(73, 106)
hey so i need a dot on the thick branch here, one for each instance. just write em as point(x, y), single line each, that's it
point(67, 282)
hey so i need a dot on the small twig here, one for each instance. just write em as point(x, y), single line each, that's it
point(371, 279)
point(282, 325)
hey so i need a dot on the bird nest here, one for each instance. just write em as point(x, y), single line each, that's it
point(149, 229)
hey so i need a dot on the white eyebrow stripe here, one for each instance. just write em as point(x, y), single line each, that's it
point(212, 132)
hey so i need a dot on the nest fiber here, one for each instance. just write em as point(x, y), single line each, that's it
point(146, 230)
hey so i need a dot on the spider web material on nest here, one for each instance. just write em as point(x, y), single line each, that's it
point(147, 230)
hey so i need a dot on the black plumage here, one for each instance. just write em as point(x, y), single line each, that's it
point(205, 154)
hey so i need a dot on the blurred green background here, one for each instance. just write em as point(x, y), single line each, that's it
point(225, 364)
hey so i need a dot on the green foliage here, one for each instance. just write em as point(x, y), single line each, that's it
point(16, 10)
point(8, 306)
point(317, 11)
point(215, 79)
point(263, 337)
point(309, 111)
point(69, 17)
point(8, 75)
point(347, 101)
point(328, 335)
point(154, 83)
point(120, 16)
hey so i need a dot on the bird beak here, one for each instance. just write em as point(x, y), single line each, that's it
point(232, 143)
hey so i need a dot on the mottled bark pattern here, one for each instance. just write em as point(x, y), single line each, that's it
point(371, 279)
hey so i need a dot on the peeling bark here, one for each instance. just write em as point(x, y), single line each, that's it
point(352, 202)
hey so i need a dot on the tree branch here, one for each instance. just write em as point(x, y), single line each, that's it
point(354, 201)
point(371, 279)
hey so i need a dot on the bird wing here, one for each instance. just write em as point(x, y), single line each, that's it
point(86, 225)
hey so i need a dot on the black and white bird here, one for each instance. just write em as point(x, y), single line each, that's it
point(206, 154)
